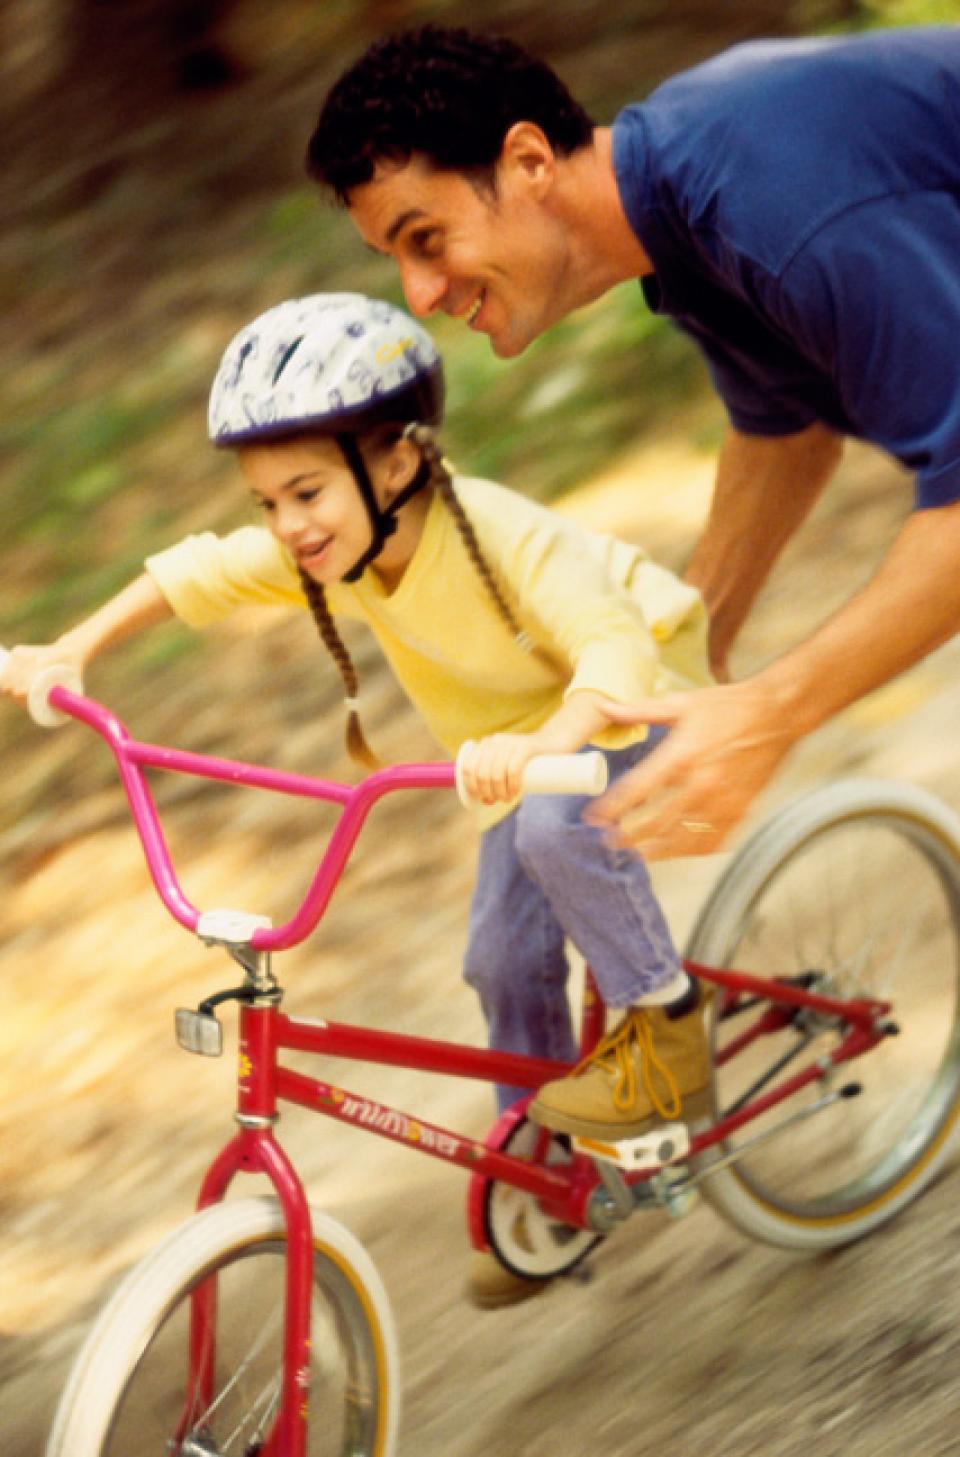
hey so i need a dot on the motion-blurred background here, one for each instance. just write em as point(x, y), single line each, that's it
point(152, 199)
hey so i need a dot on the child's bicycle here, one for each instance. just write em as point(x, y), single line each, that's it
point(261, 1327)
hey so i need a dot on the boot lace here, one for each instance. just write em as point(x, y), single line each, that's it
point(630, 1047)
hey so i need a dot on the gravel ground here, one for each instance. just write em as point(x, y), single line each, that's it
point(687, 1339)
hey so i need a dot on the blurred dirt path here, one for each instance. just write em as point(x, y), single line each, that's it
point(687, 1340)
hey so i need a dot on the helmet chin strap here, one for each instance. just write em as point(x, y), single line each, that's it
point(383, 520)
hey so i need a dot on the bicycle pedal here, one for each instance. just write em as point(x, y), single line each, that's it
point(581, 1274)
point(651, 1150)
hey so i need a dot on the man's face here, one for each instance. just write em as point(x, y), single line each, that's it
point(498, 259)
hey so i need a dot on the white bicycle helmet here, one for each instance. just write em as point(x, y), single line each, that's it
point(334, 364)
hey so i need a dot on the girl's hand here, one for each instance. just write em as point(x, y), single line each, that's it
point(24, 663)
point(493, 770)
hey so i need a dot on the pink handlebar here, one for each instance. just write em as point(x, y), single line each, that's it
point(133, 757)
point(55, 697)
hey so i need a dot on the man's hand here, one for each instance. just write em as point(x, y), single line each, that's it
point(696, 787)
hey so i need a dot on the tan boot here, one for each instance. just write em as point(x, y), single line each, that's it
point(651, 1068)
point(491, 1285)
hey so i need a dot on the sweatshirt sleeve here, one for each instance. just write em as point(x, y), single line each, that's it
point(205, 577)
point(566, 594)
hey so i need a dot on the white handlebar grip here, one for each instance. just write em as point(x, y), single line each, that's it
point(566, 774)
point(58, 675)
point(548, 773)
point(4, 655)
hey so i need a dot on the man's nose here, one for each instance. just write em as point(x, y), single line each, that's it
point(424, 287)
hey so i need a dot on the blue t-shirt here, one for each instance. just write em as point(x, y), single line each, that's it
point(800, 203)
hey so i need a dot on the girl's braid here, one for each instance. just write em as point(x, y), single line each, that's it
point(442, 481)
point(357, 746)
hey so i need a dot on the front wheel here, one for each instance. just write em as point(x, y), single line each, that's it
point(127, 1391)
point(854, 890)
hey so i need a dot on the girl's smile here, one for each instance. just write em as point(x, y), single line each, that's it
point(314, 508)
point(311, 553)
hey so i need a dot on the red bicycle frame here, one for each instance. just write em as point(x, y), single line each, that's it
point(564, 1191)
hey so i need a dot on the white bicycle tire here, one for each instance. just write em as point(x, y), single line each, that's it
point(935, 828)
point(110, 1354)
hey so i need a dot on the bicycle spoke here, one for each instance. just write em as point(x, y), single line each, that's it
point(239, 1376)
point(270, 1399)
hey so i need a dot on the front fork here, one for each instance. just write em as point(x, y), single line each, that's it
point(255, 1150)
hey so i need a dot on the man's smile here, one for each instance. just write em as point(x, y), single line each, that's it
point(475, 307)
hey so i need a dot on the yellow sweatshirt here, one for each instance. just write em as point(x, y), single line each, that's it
point(612, 619)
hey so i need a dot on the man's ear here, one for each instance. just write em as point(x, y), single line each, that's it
point(527, 157)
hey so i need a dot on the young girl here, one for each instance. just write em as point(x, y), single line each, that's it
point(506, 625)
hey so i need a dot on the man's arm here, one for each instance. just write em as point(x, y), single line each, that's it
point(765, 487)
point(727, 741)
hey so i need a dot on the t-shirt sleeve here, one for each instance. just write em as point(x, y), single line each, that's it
point(205, 577)
point(875, 297)
point(754, 405)
point(759, 375)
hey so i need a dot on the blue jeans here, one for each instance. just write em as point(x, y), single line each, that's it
point(544, 875)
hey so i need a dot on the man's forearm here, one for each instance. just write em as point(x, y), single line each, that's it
point(908, 608)
point(725, 742)
point(764, 489)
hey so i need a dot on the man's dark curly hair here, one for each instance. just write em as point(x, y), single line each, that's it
point(446, 94)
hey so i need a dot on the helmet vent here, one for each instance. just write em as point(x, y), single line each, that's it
point(286, 356)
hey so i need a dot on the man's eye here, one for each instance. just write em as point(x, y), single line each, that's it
point(427, 243)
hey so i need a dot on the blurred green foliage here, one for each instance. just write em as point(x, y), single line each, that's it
point(909, 12)
point(124, 281)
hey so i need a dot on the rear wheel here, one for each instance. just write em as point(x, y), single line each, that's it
point(128, 1389)
point(854, 889)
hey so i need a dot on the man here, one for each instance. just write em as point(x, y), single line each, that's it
point(794, 207)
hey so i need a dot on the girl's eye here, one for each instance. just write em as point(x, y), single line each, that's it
point(309, 494)
point(262, 505)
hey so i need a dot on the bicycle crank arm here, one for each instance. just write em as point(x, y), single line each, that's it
point(849, 1090)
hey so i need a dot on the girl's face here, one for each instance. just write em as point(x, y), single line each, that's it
point(314, 508)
